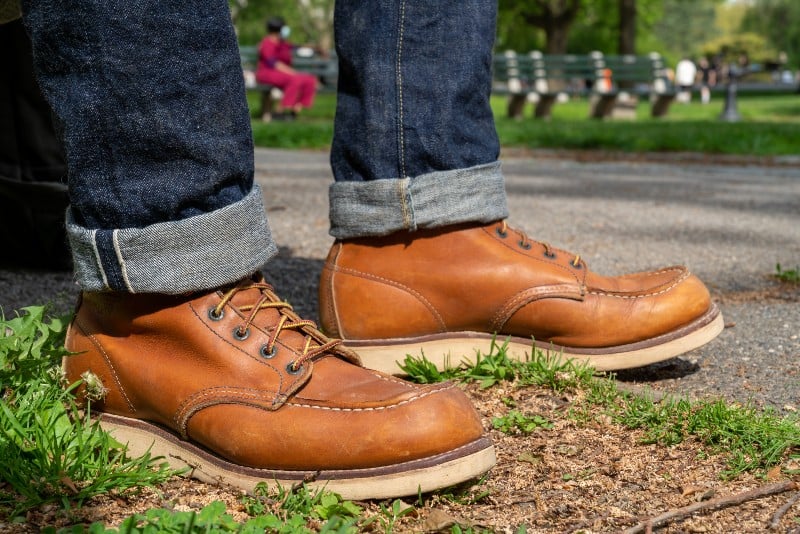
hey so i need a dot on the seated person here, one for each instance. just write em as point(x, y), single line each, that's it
point(275, 68)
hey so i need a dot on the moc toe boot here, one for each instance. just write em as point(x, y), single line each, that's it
point(449, 293)
point(233, 384)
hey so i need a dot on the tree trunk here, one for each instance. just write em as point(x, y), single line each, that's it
point(557, 36)
point(555, 18)
point(627, 27)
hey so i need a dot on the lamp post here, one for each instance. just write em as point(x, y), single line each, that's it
point(730, 113)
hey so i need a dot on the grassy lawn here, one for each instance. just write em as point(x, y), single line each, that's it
point(770, 126)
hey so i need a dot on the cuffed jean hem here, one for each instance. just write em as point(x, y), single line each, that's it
point(434, 200)
point(194, 254)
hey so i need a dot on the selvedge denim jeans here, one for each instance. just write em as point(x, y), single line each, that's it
point(150, 100)
point(149, 95)
point(415, 144)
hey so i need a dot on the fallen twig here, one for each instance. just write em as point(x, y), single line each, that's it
point(776, 519)
point(722, 502)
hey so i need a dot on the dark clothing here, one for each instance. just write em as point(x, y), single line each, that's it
point(33, 190)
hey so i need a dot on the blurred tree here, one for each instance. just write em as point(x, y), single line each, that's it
point(779, 22)
point(685, 25)
point(610, 26)
point(553, 17)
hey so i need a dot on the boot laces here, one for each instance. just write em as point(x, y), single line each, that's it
point(316, 343)
point(525, 243)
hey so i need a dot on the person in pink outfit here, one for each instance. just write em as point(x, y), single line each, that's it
point(275, 68)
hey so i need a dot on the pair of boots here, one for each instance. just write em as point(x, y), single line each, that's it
point(234, 384)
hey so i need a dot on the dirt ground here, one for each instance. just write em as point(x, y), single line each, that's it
point(591, 476)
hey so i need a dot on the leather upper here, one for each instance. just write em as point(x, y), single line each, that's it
point(492, 278)
point(175, 362)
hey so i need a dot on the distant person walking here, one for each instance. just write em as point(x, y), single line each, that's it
point(708, 79)
point(685, 75)
point(275, 68)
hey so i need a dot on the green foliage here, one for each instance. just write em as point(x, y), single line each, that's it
point(300, 505)
point(50, 451)
point(280, 511)
point(753, 439)
point(543, 368)
point(390, 515)
point(423, 371)
point(29, 348)
point(213, 519)
point(467, 493)
point(730, 47)
point(789, 275)
point(493, 368)
point(682, 26)
point(516, 422)
point(779, 22)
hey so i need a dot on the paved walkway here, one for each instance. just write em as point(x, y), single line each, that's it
point(729, 223)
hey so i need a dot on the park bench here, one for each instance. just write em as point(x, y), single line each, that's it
point(325, 69)
point(605, 80)
point(642, 76)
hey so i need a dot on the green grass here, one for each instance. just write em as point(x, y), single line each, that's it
point(770, 127)
point(791, 276)
point(752, 440)
point(284, 512)
point(516, 422)
point(52, 452)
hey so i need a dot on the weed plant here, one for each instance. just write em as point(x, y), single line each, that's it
point(791, 276)
point(50, 451)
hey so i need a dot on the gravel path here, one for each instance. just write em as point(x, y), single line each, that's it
point(730, 223)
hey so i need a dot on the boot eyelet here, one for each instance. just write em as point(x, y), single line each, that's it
point(501, 233)
point(524, 245)
point(241, 335)
point(268, 354)
point(551, 255)
point(292, 371)
point(214, 316)
point(578, 266)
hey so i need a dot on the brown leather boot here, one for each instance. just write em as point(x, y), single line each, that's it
point(447, 292)
point(236, 386)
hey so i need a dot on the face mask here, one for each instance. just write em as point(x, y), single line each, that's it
point(285, 32)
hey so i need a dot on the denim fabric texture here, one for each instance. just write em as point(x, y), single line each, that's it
point(174, 254)
point(382, 207)
point(149, 97)
point(413, 104)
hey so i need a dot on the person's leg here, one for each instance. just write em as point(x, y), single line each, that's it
point(424, 262)
point(308, 89)
point(180, 342)
point(298, 92)
point(291, 91)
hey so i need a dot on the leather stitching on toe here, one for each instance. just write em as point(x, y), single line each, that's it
point(675, 284)
point(375, 408)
